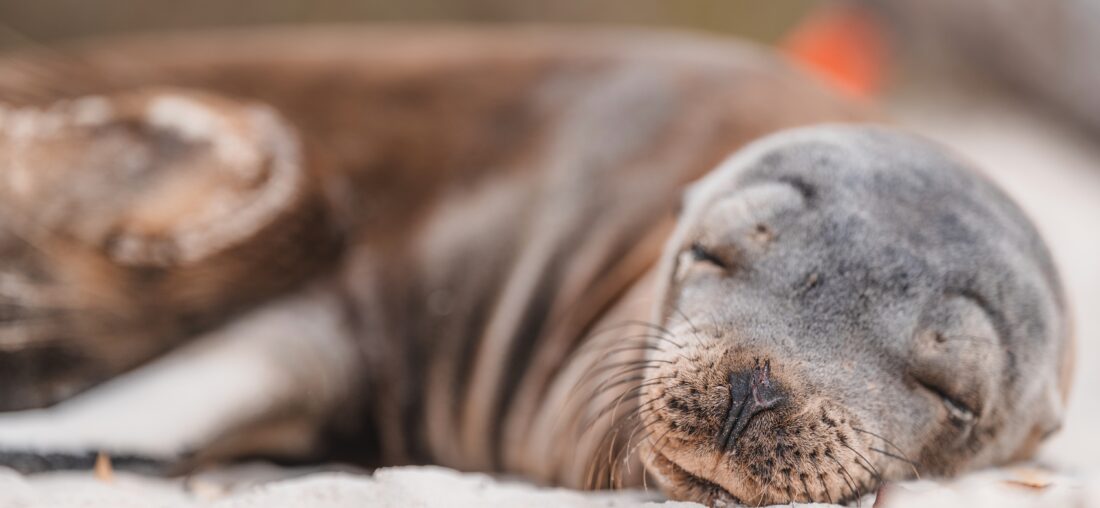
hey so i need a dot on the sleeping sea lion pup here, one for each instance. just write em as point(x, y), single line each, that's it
point(409, 247)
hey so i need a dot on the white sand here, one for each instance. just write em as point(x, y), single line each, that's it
point(246, 487)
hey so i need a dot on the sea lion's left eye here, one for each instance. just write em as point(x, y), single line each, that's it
point(955, 354)
point(957, 410)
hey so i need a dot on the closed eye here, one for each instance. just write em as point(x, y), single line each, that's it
point(957, 410)
point(702, 255)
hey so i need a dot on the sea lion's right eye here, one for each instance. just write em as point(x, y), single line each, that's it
point(698, 258)
point(701, 254)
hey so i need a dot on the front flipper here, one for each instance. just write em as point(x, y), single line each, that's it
point(135, 220)
point(286, 366)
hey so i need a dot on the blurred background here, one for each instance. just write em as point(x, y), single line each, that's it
point(1013, 84)
point(50, 20)
point(1045, 49)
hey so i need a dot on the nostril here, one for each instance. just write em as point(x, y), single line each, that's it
point(765, 393)
point(751, 392)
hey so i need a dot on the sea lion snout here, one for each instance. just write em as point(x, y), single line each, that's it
point(751, 392)
point(736, 426)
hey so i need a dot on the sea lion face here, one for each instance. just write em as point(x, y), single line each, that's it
point(848, 306)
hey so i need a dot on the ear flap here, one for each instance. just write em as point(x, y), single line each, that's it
point(152, 178)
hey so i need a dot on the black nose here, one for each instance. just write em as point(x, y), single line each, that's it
point(751, 391)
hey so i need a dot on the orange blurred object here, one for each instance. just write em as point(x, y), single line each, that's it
point(846, 45)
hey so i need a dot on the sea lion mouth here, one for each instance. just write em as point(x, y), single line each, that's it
point(688, 485)
point(742, 429)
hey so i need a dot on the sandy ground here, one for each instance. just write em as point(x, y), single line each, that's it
point(252, 486)
point(1049, 167)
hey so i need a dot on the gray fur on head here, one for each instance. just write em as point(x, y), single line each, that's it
point(893, 298)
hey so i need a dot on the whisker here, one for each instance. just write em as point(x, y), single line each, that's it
point(615, 365)
point(694, 329)
point(644, 425)
point(892, 456)
point(628, 451)
point(644, 346)
point(597, 367)
point(848, 480)
point(805, 488)
point(655, 445)
point(821, 480)
point(764, 491)
point(598, 467)
point(618, 380)
point(633, 392)
point(874, 471)
point(903, 457)
point(634, 322)
point(635, 368)
point(611, 455)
